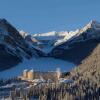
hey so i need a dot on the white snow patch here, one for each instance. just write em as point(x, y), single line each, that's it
point(38, 64)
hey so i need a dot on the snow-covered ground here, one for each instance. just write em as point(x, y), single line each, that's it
point(37, 64)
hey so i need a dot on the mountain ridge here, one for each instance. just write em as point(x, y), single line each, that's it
point(62, 45)
point(13, 46)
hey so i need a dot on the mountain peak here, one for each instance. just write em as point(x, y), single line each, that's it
point(94, 24)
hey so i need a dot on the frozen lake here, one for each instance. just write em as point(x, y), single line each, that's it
point(37, 64)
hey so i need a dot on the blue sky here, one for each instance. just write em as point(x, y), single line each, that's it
point(38, 16)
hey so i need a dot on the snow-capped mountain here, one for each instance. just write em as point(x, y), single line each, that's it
point(44, 42)
point(17, 45)
point(93, 24)
point(50, 35)
point(47, 42)
point(80, 44)
point(13, 47)
point(90, 31)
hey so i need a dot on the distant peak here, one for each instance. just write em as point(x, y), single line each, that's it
point(94, 24)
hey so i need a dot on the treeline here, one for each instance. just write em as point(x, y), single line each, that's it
point(83, 90)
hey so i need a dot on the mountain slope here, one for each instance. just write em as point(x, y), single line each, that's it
point(48, 42)
point(90, 66)
point(80, 45)
point(13, 47)
point(77, 51)
point(73, 46)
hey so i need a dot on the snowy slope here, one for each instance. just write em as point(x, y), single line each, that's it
point(13, 41)
point(67, 37)
point(24, 44)
point(50, 35)
point(92, 24)
point(89, 31)
point(46, 42)
point(39, 64)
